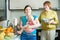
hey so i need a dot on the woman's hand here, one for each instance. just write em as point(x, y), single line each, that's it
point(25, 27)
point(18, 32)
point(51, 22)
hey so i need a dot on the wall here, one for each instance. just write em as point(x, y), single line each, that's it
point(59, 3)
point(17, 13)
point(36, 4)
point(58, 13)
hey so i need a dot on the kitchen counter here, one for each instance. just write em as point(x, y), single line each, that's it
point(40, 28)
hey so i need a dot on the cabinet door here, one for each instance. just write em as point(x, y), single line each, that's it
point(38, 34)
point(57, 35)
point(2, 10)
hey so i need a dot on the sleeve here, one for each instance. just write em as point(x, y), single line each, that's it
point(39, 18)
point(35, 17)
point(56, 17)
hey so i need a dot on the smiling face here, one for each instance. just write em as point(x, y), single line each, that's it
point(28, 11)
point(47, 5)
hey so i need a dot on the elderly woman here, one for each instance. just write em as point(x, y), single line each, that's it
point(48, 19)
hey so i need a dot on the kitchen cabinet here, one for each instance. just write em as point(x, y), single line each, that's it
point(38, 34)
point(3, 10)
point(57, 34)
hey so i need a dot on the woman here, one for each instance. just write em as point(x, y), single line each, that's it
point(29, 24)
point(48, 19)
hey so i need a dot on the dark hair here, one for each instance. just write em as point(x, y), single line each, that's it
point(27, 6)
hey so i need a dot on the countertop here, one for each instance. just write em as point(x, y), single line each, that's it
point(40, 28)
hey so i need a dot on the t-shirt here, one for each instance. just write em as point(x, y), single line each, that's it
point(24, 21)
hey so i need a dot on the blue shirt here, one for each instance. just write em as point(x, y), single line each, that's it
point(24, 20)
